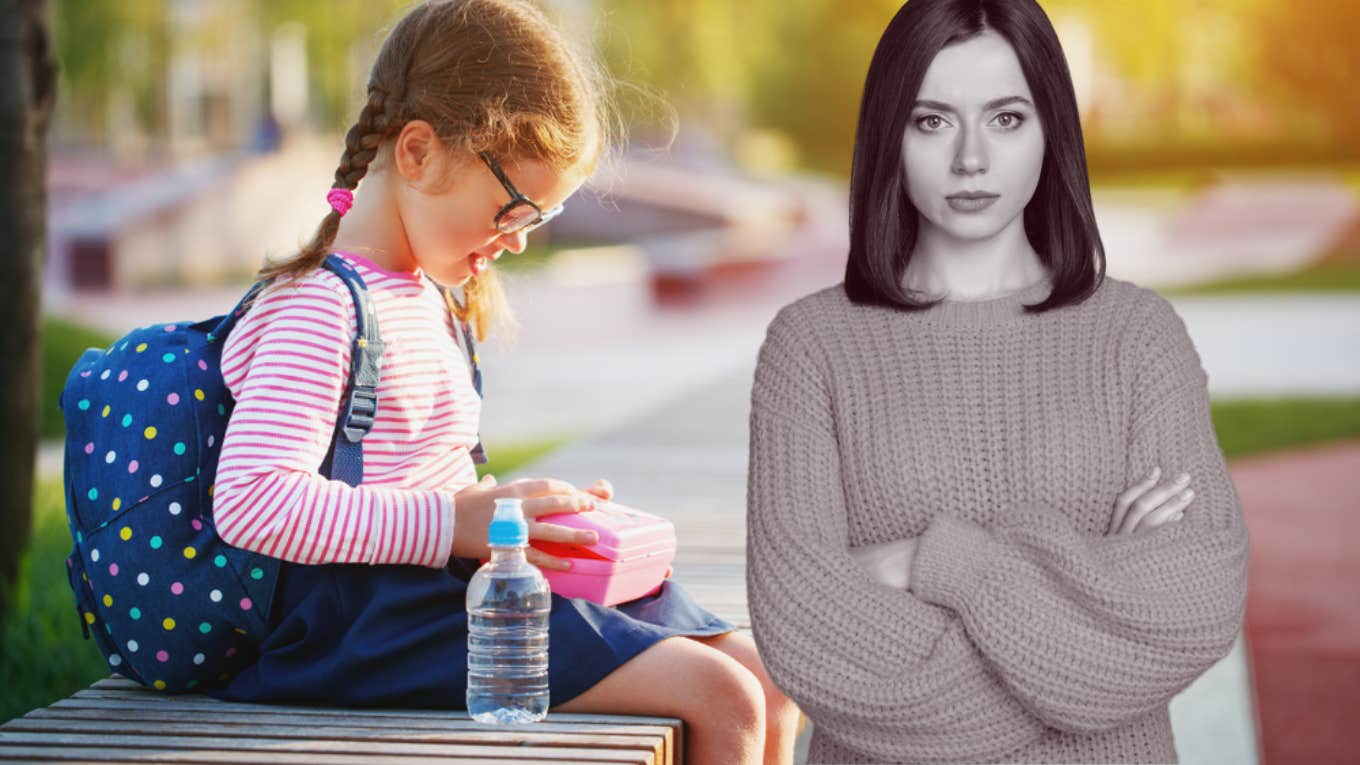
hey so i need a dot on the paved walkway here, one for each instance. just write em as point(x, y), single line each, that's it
point(1303, 617)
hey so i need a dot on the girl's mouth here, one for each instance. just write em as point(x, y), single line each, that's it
point(477, 263)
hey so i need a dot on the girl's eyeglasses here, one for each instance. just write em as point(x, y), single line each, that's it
point(520, 213)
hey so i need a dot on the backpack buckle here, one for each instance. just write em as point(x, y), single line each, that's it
point(360, 408)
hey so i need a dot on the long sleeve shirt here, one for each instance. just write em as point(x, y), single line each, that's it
point(287, 362)
point(1001, 441)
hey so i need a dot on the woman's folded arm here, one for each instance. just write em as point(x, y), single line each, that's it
point(1091, 631)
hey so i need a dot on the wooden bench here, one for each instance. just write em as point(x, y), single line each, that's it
point(117, 720)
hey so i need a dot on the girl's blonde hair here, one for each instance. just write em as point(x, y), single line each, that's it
point(488, 75)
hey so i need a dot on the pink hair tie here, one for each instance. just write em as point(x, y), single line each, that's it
point(341, 200)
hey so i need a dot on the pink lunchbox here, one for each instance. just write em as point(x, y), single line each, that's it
point(632, 557)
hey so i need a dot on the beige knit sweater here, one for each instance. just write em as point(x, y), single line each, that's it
point(1001, 440)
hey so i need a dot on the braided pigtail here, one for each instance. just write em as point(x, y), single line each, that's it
point(376, 120)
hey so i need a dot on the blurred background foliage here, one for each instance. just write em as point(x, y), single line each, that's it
point(1162, 83)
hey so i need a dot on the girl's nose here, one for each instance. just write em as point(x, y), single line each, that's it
point(514, 242)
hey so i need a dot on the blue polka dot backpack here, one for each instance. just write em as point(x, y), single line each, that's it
point(166, 600)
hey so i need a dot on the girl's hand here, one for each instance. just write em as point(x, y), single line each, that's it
point(1143, 506)
point(889, 562)
point(476, 505)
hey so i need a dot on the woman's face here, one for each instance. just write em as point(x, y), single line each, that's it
point(973, 128)
point(448, 205)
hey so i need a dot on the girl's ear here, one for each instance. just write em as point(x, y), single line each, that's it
point(418, 153)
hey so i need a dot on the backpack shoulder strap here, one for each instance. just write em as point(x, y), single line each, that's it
point(359, 405)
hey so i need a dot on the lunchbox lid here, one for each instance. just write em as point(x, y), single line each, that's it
point(625, 532)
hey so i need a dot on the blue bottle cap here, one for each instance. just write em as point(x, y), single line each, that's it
point(507, 525)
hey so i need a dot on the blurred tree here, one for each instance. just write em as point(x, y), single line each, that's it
point(27, 90)
point(795, 66)
point(811, 74)
point(105, 47)
point(1309, 60)
point(697, 52)
point(336, 30)
point(108, 47)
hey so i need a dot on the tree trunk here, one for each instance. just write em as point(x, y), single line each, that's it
point(28, 78)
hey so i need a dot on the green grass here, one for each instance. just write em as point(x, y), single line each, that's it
point(1343, 277)
point(63, 343)
point(43, 656)
point(1251, 426)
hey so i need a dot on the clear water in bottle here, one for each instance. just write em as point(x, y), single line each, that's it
point(508, 601)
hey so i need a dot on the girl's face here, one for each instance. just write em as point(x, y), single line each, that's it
point(973, 128)
point(448, 205)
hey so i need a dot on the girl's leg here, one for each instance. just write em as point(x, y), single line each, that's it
point(783, 718)
point(721, 702)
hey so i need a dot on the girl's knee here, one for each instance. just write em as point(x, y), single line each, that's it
point(741, 693)
point(742, 648)
point(677, 677)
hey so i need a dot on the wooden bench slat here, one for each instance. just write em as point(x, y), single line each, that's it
point(98, 755)
point(42, 723)
point(671, 730)
point(207, 702)
point(78, 709)
point(389, 749)
point(370, 718)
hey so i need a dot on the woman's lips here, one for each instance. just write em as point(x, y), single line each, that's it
point(970, 204)
point(477, 263)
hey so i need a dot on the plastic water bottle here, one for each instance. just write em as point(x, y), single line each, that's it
point(508, 601)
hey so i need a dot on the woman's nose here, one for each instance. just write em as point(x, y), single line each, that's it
point(971, 155)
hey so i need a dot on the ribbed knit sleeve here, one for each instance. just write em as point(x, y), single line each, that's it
point(287, 364)
point(1091, 631)
point(876, 669)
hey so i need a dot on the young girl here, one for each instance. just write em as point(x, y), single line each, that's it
point(481, 120)
point(994, 569)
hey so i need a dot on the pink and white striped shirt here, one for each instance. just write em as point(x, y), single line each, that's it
point(286, 363)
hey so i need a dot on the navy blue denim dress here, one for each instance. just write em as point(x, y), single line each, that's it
point(389, 635)
point(360, 635)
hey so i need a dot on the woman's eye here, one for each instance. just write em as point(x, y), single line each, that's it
point(920, 120)
point(1016, 119)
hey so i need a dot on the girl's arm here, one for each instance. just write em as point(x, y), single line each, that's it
point(875, 668)
point(287, 362)
point(1091, 631)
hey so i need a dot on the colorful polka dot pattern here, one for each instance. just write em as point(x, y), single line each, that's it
point(168, 602)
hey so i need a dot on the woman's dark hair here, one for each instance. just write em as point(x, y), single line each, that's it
point(1059, 219)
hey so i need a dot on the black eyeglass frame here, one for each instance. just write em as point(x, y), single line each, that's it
point(516, 199)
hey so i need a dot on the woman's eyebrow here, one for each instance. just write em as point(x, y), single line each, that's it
point(994, 103)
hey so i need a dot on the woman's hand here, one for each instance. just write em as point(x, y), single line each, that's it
point(889, 562)
point(476, 504)
point(1143, 506)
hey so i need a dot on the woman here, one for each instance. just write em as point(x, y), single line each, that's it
point(959, 544)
